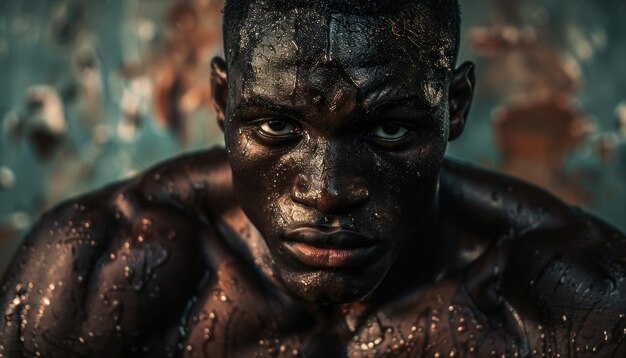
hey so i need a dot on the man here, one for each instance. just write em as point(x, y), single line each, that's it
point(330, 226)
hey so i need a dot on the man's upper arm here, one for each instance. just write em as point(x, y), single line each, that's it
point(572, 284)
point(44, 290)
point(91, 280)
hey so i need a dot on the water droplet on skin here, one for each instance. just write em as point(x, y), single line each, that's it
point(128, 273)
point(222, 296)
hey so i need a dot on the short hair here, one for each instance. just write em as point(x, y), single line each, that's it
point(446, 12)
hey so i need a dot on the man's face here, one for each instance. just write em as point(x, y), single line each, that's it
point(336, 128)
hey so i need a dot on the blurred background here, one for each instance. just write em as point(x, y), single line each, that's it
point(95, 91)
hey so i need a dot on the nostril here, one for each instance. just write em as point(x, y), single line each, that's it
point(301, 184)
point(300, 190)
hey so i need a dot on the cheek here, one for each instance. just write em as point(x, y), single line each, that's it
point(401, 185)
point(404, 175)
point(262, 182)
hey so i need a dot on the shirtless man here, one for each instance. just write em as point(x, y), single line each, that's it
point(330, 226)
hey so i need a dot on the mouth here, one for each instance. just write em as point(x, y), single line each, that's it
point(338, 248)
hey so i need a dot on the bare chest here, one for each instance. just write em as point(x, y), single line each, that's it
point(232, 319)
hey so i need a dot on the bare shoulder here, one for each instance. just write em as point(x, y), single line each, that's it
point(111, 272)
point(561, 271)
point(498, 204)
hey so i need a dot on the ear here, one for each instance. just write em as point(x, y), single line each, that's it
point(219, 88)
point(460, 98)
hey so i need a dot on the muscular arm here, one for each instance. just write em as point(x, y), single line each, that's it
point(110, 274)
point(570, 287)
point(558, 273)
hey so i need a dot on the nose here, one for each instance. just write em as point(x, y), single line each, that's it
point(331, 188)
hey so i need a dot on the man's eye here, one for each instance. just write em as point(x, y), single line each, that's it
point(278, 128)
point(389, 132)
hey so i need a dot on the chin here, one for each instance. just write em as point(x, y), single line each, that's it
point(331, 286)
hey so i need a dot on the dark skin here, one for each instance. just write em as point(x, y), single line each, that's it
point(331, 226)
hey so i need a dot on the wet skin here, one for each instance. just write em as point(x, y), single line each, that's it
point(330, 226)
point(327, 134)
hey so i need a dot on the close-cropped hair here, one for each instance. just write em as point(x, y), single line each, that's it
point(445, 12)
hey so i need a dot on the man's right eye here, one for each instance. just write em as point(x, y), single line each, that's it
point(275, 131)
point(278, 127)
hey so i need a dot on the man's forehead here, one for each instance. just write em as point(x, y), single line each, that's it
point(283, 53)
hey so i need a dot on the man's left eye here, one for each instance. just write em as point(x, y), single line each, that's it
point(389, 132)
point(278, 128)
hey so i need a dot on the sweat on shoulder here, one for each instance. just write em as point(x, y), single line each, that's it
point(330, 225)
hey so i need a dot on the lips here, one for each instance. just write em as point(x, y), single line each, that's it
point(330, 249)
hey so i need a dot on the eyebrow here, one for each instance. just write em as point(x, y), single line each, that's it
point(256, 101)
point(387, 104)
